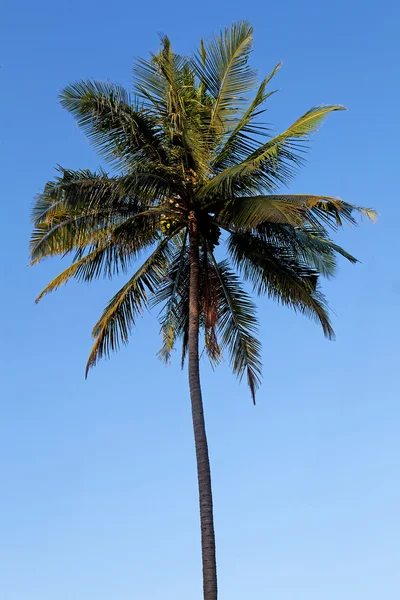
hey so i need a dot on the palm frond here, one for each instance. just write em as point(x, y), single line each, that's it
point(72, 188)
point(157, 80)
point(119, 316)
point(317, 250)
point(117, 126)
point(167, 83)
point(311, 246)
point(77, 232)
point(104, 260)
point(210, 304)
point(82, 208)
point(242, 141)
point(223, 69)
point(298, 210)
point(237, 325)
point(174, 293)
point(273, 163)
point(73, 232)
point(280, 275)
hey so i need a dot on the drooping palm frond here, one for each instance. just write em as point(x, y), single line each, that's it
point(218, 293)
point(105, 259)
point(120, 314)
point(174, 295)
point(173, 292)
point(210, 306)
point(311, 246)
point(281, 275)
point(317, 250)
point(237, 324)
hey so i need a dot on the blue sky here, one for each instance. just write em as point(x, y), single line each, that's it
point(98, 485)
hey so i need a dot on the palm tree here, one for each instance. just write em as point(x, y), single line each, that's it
point(192, 166)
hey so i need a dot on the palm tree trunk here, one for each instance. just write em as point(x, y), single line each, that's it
point(200, 438)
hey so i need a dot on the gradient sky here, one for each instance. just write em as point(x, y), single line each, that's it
point(98, 486)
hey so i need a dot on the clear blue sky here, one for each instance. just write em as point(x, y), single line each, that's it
point(98, 487)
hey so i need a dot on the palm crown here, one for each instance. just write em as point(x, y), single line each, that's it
point(190, 150)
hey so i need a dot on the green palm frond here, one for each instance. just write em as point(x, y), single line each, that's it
point(237, 324)
point(223, 69)
point(72, 188)
point(116, 125)
point(243, 139)
point(82, 208)
point(306, 125)
point(167, 85)
point(158, 80)
point(119, 316)
point(318, 212)
point(74, 231)
point(210, 303)
point(174, 294)
point(317, 250)
point(273, 163)
point(78, 231)
point(282, 276)
point(311, 246)
point(104, 260)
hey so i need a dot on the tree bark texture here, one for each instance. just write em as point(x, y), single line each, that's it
point(200, 438)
